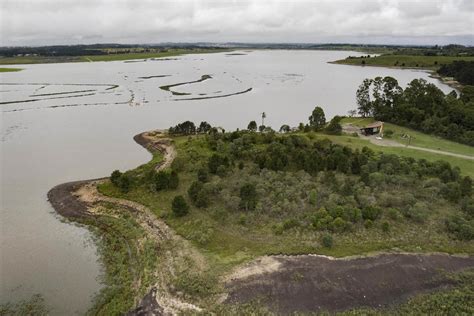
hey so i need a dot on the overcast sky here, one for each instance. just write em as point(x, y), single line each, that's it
point(38, 22)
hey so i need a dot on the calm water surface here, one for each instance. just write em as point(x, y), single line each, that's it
point(79, 122)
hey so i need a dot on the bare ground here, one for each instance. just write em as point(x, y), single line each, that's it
point(311, 283)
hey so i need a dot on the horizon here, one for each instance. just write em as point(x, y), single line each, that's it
point(389, 22)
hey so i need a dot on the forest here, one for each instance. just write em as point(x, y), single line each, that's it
point(421, 106)
point(462, 71)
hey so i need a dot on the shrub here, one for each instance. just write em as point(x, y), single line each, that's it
point(179, 206)
point(327, 241)
point(115, 177)
point(203, 175)
point(385, 227)
point(339, 225)
point(368, 223)
point(388, 133)
point(290, 223)
point(371, 213)
point(248, 196)
point(162, 180)
point(173, 181)
point(194, 190)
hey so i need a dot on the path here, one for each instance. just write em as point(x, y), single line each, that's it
point(350, 129)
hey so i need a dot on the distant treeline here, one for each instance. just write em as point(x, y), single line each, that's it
point(102, 49)
point(462, 71)
point(421, 106)
point(96, 49)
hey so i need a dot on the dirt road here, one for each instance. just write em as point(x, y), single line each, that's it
point(348, 128)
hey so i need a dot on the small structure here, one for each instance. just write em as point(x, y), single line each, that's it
point(373, 128)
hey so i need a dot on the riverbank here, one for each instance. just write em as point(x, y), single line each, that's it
point(108, 57)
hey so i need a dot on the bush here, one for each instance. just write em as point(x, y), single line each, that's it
point(327, 241)
point(248, 196)
point(115, 177)
point(385, 227)
point(194, 190)
point(173, 181)
point(179, 206)
point(162, 180)
point(388, 133)
point(371, 213)
point(203, 175)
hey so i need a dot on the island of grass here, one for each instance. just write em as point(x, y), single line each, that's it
point(10, 69)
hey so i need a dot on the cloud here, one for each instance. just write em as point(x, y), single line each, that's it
point(37, 22)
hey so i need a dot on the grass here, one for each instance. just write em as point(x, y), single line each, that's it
point(109, 57)
point(10, 69)
point(408, 61)
point(418, 139)
point(226, 243)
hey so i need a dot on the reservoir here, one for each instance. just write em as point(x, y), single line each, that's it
point(73, 121)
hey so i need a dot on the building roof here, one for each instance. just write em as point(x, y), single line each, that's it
point(374, 124)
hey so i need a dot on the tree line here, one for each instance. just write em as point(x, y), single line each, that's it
point(421, 106)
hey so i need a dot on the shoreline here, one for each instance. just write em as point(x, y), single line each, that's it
point(432, 73)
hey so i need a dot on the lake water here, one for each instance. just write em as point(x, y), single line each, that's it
point(79, 122)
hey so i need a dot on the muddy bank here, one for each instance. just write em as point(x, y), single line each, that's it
point(316, 283)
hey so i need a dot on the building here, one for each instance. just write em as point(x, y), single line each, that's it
point(373, 128)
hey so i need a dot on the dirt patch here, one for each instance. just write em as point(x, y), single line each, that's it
point(312, 283)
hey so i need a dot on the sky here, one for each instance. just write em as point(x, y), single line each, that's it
point(424, 22)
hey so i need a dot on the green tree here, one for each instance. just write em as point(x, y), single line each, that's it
point(466, 186)
point(252, 126)
point(248, 196)
point(203, 175)
point(334, 127)
point(364, 105)
point(317, 120)
point(115, 177)
point(194, 190)
point(162, 180)
point(327, 241)
point(173, 181)
point(284, 128)
point(204, 127)
point(179, 206)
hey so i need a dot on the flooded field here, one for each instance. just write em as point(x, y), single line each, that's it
point(65, 122)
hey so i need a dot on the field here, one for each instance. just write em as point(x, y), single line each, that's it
point(404, 61)
point(109, 57)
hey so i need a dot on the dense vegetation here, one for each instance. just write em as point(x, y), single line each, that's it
point(298, 182)
point(421, 106)
point(462, 71)
point(237, 195)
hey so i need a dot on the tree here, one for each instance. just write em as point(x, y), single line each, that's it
point(252, 126)
point(261, 128)
point(317, 120)
point(327, 241)
point(204, 127)
point(179, 206)
point(466, 186)
point(334, 126)
point(364, 105)
point(203, 175)
point(173, 180)
point(194, 190)
point(248, 196)
point(284, 128)
point(162, 180)
point(125, 183)
point(115, 177)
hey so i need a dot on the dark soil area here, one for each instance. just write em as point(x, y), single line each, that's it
point(313, 283)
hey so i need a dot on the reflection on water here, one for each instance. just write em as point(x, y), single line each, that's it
point(81, 125)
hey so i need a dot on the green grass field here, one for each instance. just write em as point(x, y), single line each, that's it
point(10, 69)
point(110, 57)
point(408, 61)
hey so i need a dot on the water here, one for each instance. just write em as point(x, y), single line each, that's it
point(81, 127)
